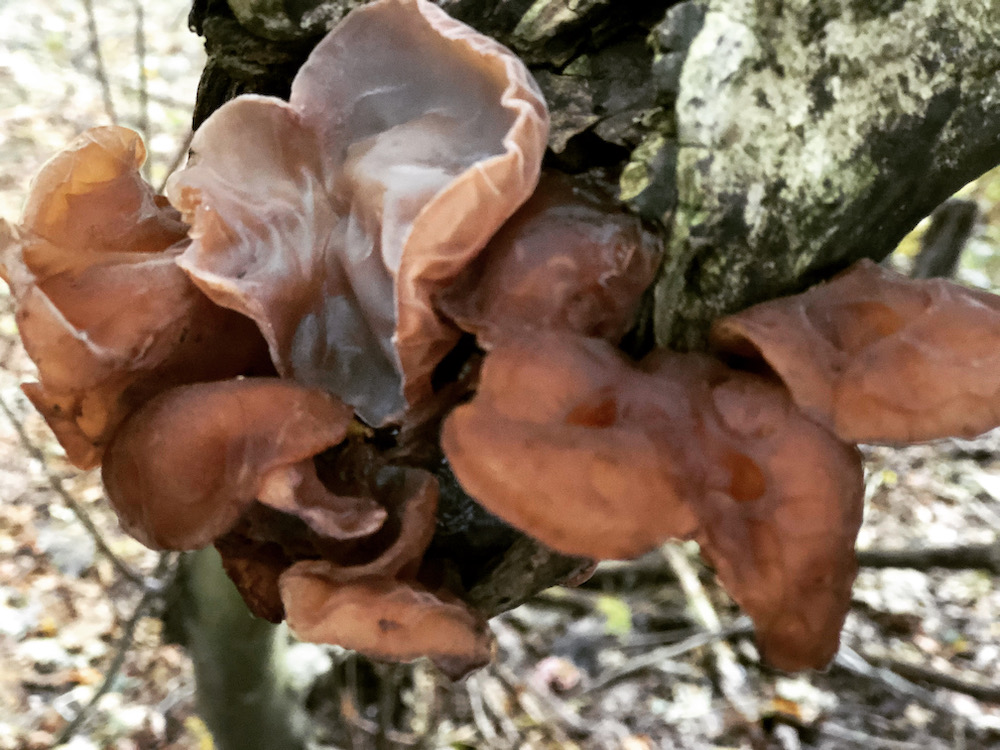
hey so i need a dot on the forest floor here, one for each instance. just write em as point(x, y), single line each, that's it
point(647, 654)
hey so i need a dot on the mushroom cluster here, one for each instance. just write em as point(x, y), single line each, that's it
point(275, 358)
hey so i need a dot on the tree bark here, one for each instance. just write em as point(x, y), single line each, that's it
point(808, 134)
point(243, 691)
point(773, 142)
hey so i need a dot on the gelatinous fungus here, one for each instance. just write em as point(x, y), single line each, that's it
point(103, 310)
point(877, 357)
point(570, 442)
point(332, 219)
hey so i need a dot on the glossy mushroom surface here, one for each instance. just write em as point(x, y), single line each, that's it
point(385, 619)
point(102, 308)
point(186, 466)
point(593, 455)
point(570, 260)
point(332, 219)
point(877, 357)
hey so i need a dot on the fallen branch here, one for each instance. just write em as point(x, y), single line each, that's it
point(918, 673)
point(968, 557)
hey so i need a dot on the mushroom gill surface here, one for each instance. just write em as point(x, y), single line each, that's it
point(103, 310)
point(595, 456)
point(877, 357)
point(332, 219)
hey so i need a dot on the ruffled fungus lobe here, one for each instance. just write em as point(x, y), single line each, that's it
point(186, 466)
point(264, 543)
point(570, 260)
point(102, 308)
point(877, 357)
point(571, 443)
point(332, 219)
point(385, 619)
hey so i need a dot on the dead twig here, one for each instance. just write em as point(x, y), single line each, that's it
point(424, 708)
point(143, 81)
point(851, 661)
point(163, 572)
point(860, 739)
point(487, 731)
point(99, 70)
point(967, 557)
point(660, 656)
point(733, 680)
point(60, 489)
point(544, 707)
point(918, 673)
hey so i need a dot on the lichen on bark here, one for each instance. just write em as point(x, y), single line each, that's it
point(808, 134)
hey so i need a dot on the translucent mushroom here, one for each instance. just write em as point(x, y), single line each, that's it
point(877, 357)
point(332, 219)
point(266, 542)
point(385, 619)
point(595, 456)
point(103, 310)
point(570, 259)
point(186, 466)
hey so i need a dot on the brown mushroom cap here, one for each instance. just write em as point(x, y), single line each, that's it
point(407, 141)
point(385, 619)
point(570, 259)
point(549, 444)
point(780, 509)
point(877, 357)
point(186, 466)
point(594, 456)
point(102, 308)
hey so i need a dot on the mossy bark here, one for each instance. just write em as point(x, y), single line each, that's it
point(807, 134)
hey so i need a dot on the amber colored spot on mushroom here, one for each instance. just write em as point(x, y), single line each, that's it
point(601, 411)
point(877, 357)
point(696, 450)
point(748, 481)
point(781, 535)
point(570, 259)
point(385, 619)
point(103, 310)
point(184, 468)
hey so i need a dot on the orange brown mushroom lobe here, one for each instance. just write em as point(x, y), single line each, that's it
point(570, 259)
point(407, 141)
point(595, 456)
point(877, 357)
point(102, 308)
point(185, 467)
point(385, 619)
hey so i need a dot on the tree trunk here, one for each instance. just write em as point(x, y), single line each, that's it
point(243, 694)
